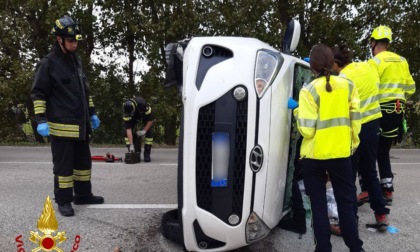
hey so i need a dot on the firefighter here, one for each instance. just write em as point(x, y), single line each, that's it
point(395, 85)
point(364, 159)
point(137, 109)
point(328, 120)
point(64, 110)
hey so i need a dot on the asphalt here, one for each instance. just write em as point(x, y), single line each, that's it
point(137, 195)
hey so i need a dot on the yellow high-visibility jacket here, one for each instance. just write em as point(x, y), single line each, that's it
point(396, 81)
point(366, 81)
point(328, 121)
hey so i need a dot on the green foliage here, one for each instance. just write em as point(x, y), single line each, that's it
point(120, 37)
point(108, 94)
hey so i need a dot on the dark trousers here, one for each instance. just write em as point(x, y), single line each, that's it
point(364, 163)
point(72, 169)
point(390, 122)
point(342, 180)
point(136, 142)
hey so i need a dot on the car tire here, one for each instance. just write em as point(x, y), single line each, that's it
point(171, 228)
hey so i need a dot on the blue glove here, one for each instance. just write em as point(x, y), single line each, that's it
point(292, 104)
point(43, 129)
point(95, 121)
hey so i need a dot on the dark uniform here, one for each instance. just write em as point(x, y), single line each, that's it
point(135, 110)
point(63, 104)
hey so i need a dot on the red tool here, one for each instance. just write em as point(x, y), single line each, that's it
point(107, 158)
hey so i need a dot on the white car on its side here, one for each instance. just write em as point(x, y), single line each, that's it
point(234, 142)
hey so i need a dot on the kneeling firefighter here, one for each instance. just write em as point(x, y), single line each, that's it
point(136, 109)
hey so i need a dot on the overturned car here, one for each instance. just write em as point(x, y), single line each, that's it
point(235, 140)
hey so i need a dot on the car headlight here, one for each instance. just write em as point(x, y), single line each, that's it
point(255, 228)
point(266, 68)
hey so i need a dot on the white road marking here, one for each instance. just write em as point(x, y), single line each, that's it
point(114, 163)
point(405, 163)
point(14, 162)
point(133, 206)
point(94, 163)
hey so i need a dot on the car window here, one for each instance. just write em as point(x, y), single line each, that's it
point(302, 76)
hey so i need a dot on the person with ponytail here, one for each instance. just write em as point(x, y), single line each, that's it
point(328, 119)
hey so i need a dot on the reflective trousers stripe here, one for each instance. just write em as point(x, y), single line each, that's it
point(148, 141)
point(387, 182)
point(65, 182)
point(82, 175)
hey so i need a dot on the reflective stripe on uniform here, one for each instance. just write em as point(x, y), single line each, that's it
point(91, 102)
point(65, 182)
point(308, 123)
point(355, 116)
point(314, 94)
point(40, 106)
point(369, 100)
point(386, 182)
point(318, 124)
point(410, 88)
point(148, 140)
point(148, 111)
point(127, 118)
point(390, 134)
point(392, 95)
point(392, 85)
point(370, 112)
point(82, 175)
point(64, 130)
point(333, 122)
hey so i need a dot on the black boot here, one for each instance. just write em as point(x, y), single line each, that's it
point(147, 150)
point(88, 200)
point(66, 209)
point(296, 224)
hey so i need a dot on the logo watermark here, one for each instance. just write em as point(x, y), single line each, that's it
point(49, 238)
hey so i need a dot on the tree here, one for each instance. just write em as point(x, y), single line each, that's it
point(121, 35)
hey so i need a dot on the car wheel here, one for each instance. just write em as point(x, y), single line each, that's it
point(171, 228)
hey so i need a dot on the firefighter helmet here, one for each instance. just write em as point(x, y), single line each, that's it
point(66, 27)
point(382, 32)
point(129, 108)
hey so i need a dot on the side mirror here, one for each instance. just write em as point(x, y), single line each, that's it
point(291, 37)
point(174, 57)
